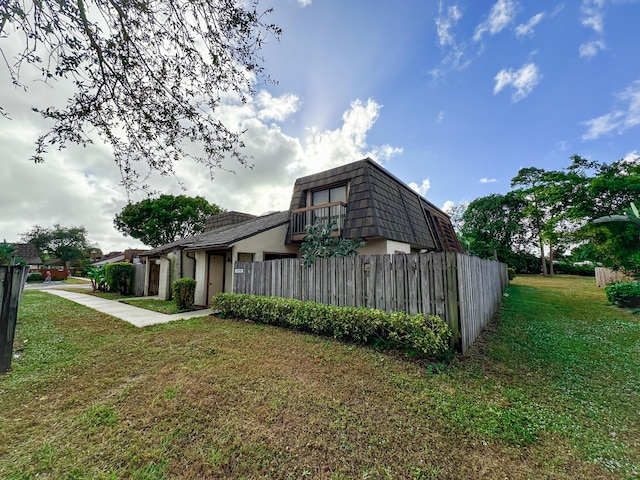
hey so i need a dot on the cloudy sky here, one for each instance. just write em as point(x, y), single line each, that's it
point(453, 97)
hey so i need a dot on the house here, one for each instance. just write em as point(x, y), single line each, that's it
point(29, 253)
point(130, 255)
point(209, 257)
point(362, 198)
point(368, 202)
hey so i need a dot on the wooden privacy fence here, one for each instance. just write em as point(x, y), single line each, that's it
point(605, 276)
point(465, 291)
point(12, 280)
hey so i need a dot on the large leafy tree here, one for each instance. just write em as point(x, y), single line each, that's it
point(70, 244)
point(165, 219)
point(493, 227)
point(610, 189)
point(148, 76)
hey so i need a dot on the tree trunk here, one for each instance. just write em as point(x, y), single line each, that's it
point(550, 258)
point(543, 259)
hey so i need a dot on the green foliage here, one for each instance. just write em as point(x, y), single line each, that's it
point(157, 221)
point(8, 255)
point(162, 66)
point(184, 290)
point(425, 335)
point(567, 268)
point(493, 226)
point(320, 242)
point(118, 276)
point(511, 272)
point(624, 294)
point(69, 244)
point(98, 278)
point(34, 277)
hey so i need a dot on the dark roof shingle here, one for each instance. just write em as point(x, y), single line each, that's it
point(381, 205)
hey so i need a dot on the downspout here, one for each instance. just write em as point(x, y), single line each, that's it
point(194, 262)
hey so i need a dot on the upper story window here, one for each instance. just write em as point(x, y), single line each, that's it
point(330, 195)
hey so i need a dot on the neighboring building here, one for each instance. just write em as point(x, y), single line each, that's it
point(129, 255)
point(209, 256)
point(364, 199)
point(29, 253)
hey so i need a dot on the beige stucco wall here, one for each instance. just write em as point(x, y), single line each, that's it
point(271, 241)
point(382, 246)
point(165, 278)
point(200, 297)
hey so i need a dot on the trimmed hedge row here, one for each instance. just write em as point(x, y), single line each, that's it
point(425, 335)
point(624, 294)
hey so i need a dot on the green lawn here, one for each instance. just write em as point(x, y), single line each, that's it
point(552, 394)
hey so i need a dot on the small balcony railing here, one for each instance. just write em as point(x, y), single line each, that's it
point(326, 213)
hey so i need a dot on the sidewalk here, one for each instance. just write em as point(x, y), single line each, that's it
point(139, 317)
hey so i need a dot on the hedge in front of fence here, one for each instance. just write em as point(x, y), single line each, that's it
point(425, 335)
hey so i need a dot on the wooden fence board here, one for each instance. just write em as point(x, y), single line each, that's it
point(465, 291)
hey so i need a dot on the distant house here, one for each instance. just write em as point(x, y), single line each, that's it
point(362, 198)
point(129, 255)
point(29, 253)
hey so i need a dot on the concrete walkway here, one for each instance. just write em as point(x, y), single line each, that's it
point(140, 317)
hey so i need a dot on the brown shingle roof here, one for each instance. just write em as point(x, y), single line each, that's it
point(381, 205)
point(224, 236)
point(28, 252)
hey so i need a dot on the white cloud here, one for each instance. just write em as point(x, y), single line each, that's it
point(590, 49)
point(631, 158)
point(454, 52)
point(501, 15)
point(488, 180)
point(525, 29)
point(304, 3)
point(593, 15)
point(619, 120)
point(445, 22)
point(330, 148)
point(423, 188)
point(276, 108)
point(440, 116)
point(448, 207)
point(522, 81)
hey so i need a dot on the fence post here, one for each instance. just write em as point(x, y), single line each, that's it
point(12, 280)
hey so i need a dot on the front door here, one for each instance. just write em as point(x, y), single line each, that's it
point(216, 276)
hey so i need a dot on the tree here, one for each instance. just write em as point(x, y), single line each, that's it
point(610, 188)
point(320, 242)
point(8, 255)
point(149, 77)
point(157, 221)
point(69, 244)
point(493, 226)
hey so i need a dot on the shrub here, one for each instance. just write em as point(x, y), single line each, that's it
point(511, 272)
point(118, 276)
point(570, 269)
point(425, 335)
point(624, 294)
point(184, 290)
point(34, 277)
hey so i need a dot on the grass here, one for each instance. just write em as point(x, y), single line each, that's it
point(551, 394)
point(168, 307)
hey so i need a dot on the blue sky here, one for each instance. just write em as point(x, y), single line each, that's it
point(453, 97)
